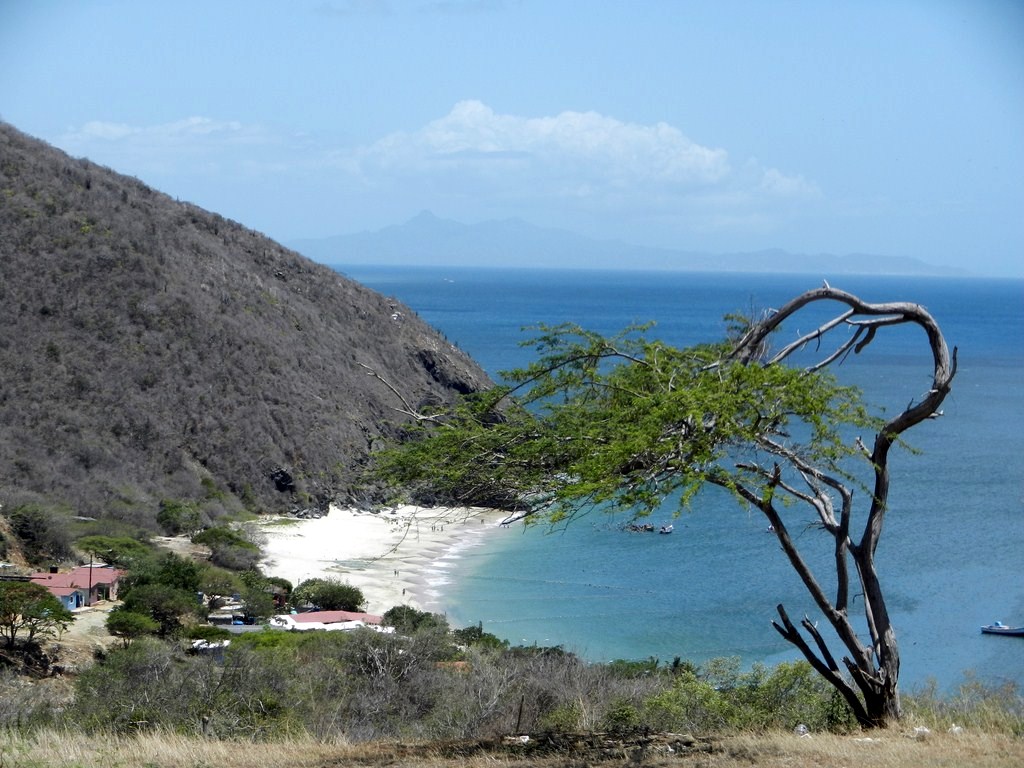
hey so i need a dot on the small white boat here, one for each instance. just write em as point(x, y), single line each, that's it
point(998, 628)
point(665, 529)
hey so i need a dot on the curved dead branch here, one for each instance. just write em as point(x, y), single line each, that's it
point(875, 668)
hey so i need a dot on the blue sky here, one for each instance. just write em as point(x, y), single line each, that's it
point(892, 128)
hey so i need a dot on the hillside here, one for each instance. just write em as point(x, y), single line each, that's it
point(152, 350)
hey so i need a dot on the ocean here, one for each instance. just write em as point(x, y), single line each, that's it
point(951, 554)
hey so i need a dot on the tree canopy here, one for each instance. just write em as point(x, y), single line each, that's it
point(328, 594)
point(30, 608)
point(629, 423)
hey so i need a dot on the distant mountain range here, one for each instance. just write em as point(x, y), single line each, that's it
point(429, 240)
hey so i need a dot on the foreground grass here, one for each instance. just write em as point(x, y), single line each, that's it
point(891, 749)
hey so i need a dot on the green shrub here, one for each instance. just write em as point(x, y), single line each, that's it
point(178, 517)
point(153, 686)
point(562, 719)
point(164, 604)
point(622, 716)
point(628, 669)
point(229, 548)
point(785, 696)
point(130, 625)
point(689, 704)
point(119, 551)
point(475, 637)
point(328, 595)
point(974, 705)
point(407, 620)
point(29, 610)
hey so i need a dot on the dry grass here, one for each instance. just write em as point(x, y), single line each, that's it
point(889, 750)
point(892, 749)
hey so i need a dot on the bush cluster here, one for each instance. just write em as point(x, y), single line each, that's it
point(427, 685)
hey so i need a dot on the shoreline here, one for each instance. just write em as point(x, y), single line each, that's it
point(397, 556)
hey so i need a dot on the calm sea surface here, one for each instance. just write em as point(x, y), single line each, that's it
point(951, 557)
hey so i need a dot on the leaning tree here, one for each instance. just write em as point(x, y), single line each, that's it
point(626, 422)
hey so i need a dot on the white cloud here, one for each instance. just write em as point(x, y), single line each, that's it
point(570, 169)
point(180, 129)
point(561, 152)
point(581, 163)
point(100, 130)
point(777, 183)
point(177, 147)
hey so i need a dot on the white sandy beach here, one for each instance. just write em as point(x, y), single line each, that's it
point(395, 556)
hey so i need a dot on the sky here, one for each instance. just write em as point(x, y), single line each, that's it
point(891, 128)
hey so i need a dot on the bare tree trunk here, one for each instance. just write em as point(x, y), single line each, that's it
point(871, 683)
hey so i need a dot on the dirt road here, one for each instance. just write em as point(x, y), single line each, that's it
point(86, 635)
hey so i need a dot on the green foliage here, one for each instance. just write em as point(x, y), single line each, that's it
point(119, 551)
point(475, 637)
point(408, 620)
point(690, 704)
point(623, 422)
point(623, 716)
point(328, 595)
point(272, 640)
point(785, 696)
point(566, 718)
point(129, 625)
point(363, 685)
point(260, 595)
point(719, 695)
point(164, 604)
point(283, 584)
point(634, 668)
point(627, 424)
point(30, 609)
point(974, 705)
point(165, 589)
point(178, 517)
point(257, 603)
point(222, 536)
point(218, 583)
point(229, 547)
point(155, 686)
point(140, 687)
point(168, 569)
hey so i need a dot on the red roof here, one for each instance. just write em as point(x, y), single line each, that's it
point(333, 617)
point(78, 577)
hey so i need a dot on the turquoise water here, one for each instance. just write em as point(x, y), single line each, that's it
point(950, 556)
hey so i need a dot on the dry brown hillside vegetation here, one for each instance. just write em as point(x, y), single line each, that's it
point(152, 350)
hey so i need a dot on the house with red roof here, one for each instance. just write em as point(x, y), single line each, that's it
point(330, 621)
point(81, 586)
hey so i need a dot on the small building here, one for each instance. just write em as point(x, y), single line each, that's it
point(81, 586)
point(70, 597)
point(329, 621)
